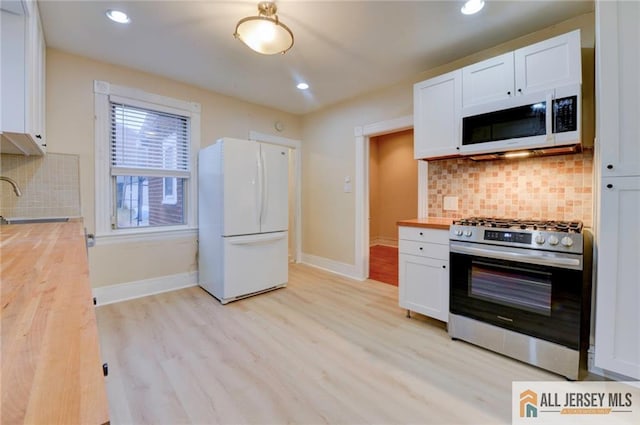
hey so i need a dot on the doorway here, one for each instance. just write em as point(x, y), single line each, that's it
point(393, 196)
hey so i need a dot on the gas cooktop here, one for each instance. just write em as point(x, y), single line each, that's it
point(510, 223)
point(546, 235)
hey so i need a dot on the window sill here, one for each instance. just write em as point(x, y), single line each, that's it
point(146, 235)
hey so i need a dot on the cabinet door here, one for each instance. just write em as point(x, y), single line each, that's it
point(617, 336)
point(437, 103)
point(36, 68)
point(489, 80)
point(618, 87)
point(424, 286)
point(551, 63)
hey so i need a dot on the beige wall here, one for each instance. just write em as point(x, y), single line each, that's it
point(396, 183)
point(329, 146)
point(70, 129)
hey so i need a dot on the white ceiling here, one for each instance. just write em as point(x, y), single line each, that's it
point(342, 48)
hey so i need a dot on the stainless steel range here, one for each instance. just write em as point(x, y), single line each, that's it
point(522, 288)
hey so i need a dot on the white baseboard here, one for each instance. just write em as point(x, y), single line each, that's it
point(343, 269)
point(127, 291)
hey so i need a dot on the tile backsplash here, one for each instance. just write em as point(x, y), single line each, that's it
point(50, 186)
point(551, 188)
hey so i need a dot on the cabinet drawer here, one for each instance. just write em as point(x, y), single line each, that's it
point(422, 234)
point(424, 249)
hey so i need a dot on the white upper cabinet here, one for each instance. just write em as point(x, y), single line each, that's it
point(436, 107)
point(23, 79)
point(618, 88)
point(549, 64)
point(541, 66)
point(489, 80)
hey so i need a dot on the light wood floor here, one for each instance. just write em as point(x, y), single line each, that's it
point(325, 349)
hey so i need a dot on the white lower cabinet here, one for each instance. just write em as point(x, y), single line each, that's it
point(423, 267)
point(618, 283)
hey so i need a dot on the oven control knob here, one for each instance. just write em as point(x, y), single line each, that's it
point(553, 240)
point(567, 241)
point(467, 233)
point(539, 239)
point(458, 232)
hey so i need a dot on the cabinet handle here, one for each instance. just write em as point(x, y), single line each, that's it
point(38, 136)
point(509, 93)
point(609, 166)
point(519, 90)
point(420, 248)
point(458, 147)
point(105, 369)
point(609, 186)
point(444, 267)
point(420, 233)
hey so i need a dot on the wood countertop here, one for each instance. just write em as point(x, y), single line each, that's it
point(429, 223)
point(51, 368)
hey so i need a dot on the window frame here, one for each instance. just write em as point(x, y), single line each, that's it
point(105, 200)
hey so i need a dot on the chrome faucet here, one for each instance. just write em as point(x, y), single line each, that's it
point(13, 183)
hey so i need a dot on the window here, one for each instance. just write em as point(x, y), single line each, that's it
point(144, 161)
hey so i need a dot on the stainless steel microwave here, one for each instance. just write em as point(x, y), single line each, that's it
point(537, 120)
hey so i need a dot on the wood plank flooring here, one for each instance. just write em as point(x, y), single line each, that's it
point(383, 264)
point(325, 349)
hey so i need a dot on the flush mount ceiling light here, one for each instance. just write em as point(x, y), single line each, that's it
point(265, 33)
point(472, 6)
point(302, 86)
point(118, 16)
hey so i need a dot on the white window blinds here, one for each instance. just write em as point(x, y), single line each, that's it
point(148, 143)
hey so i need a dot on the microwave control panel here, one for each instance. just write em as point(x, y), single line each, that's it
point(565, 111)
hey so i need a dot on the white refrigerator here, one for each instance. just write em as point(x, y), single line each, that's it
point(243, 218)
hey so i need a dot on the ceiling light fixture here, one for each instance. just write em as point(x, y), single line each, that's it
point(302, 86)
point(265, 33)
point(472, 6)
point(118, 16)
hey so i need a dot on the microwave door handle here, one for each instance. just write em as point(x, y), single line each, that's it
point(572, 263)
point(549, 117)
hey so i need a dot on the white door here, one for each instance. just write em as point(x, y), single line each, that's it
point(254, 263)
point(241, 187)
point(275, 198)
point(489, 80)
point(549, 64)
point(436, 114)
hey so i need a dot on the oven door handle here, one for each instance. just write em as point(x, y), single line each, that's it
point(532, 258)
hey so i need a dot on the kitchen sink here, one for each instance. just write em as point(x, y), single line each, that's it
point(33, 220)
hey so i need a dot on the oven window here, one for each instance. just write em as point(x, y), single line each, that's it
point(516, 287)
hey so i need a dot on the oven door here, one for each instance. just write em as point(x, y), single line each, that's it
point(534, 293)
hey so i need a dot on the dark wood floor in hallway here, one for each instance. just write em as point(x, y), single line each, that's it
point(383, 264)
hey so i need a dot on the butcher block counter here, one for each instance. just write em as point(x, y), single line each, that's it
point(428, 223)
point(51, 367)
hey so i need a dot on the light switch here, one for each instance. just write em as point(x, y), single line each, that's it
point(347, 184)
point(450, 203)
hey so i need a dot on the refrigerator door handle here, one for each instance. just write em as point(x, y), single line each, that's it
point(265, 187)
point(257, 239)
point(259, 188)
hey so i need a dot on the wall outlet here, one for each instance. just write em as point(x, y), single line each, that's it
point(450, 203)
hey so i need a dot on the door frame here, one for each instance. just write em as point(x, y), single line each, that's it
point(296, 145)
point(363, 136)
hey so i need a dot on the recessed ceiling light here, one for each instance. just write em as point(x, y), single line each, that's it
point(472, 6)
point(118, 16)
point(302, 86)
